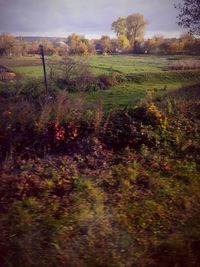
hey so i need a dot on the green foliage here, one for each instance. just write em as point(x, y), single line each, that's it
point(31, 67)
point(131, 27)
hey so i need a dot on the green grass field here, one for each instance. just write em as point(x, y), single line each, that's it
point(31, 66)
point(99, 64)
point(130, 94)
point(147, 73)
point(127, 64)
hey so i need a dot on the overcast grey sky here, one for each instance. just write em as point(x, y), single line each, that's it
point(86, 17)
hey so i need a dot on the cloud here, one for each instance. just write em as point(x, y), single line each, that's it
point(87, 17)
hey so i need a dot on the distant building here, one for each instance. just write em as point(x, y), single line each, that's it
point(61, 43)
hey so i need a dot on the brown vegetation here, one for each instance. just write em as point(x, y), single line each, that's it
point(186, 65)
point(82, 189)
point(6, 74)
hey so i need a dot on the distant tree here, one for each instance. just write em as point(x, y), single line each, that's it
point(187, 40)
point(73, 37)
point(49, 49)
point(114, 45)
point(91, 47)
point(33, 48)
point(60, 47)
point(17, 48)
point(123, 43)
point(24, 47)
point(191, 45)
point(176, 46)
point(157, 45)
point(77, 44)
point(7, 43)
point(150, 45)
point(119, 26)
point(82, 48)
point(189, 15)
point(62, 50)
point(132, 27)
point(186, 44)
point(136, 25)
point(105, 44)
point(194, 47)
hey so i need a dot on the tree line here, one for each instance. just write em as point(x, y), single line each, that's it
point(129, 38)
point(78, 45)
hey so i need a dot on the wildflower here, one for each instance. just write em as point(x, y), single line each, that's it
point(161, 118)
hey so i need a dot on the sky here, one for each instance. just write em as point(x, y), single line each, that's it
point(91, 18)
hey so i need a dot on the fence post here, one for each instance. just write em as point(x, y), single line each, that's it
point(44, 67)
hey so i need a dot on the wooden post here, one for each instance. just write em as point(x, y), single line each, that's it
point(44, 67)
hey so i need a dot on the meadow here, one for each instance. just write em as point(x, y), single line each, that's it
point(148, 74)
point(30, 66)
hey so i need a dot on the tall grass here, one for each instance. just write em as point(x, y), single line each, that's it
point(185, 65)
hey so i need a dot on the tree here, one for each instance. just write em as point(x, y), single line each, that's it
point(91, 47)
point(189, 15)
point(7, 43)
point(123, 43)
point(119, 26)
point(132, 27)
point(105, 43)
point(81, 48)
point(175, 46)
point(135, 28)
point(33, 48)
point(73, 37)
point(77, 44)
point(49, 49)
point(156, 45)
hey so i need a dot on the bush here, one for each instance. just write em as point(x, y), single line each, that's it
point(108, 80)
point(120, 131)
point(59, 124)
point(134, 127)
point(73, 75)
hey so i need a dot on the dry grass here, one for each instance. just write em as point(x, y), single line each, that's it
point(186, 65)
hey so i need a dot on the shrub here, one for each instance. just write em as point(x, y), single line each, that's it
point(107, 80)
point(59, 124)
point(121, 131)
point(73, 75)
point(145, 124)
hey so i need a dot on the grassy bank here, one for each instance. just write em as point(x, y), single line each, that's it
point(81, 189)
point(137, 87)
point(130, 89)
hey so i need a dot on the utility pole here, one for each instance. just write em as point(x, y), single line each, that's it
point(44, 68)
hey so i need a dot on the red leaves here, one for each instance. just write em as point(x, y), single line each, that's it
point(59, 132)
